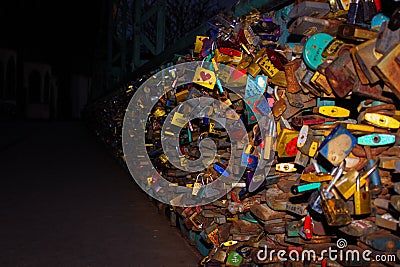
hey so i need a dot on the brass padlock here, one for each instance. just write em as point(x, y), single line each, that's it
point(367, 57)
point(287, 143)
point(306, 83)
point(355, 33)
point(254, 69)
point(268, 67)
point(320, 82)
point(335, 210)
point(388, 69)
point(362, 199)
point(346, 184)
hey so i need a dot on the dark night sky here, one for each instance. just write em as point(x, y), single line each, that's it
point(55, 32)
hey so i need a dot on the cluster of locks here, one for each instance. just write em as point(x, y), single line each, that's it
point(301, 106)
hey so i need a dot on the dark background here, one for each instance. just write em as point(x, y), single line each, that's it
point(60, 33)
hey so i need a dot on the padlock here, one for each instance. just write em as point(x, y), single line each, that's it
point(306, 83)
point(356, 12)
point(332, 51)
point(279, 79)
point(375, 182)
point(358, 228)
point(340, 73)
point(285, 167)
point(320, 82)
point(267, 66)
point(198, 185)
point(307, 228)
point(220, 255)
point(296, 189)
point(335, 210)
point(387, 221)
point(337, 145)
point(369, 91)
point(367, 57)
point(387, 68)
point(234, 259)
point(382, 240)
point(346, 185)
point(298, 209)
point(308, 26)
point(305, 139)
point(313, 177)
point(376, 139)
point(290, 69)
point(387, 39)
point(314, 47)
point(287, 143)
point(362, 199)
point(315, 199)
point(254, 69)
point(307, 102)
point(279, 106)
point(369, 10)
point(309, 8)
point(301, 159)
point(382, 121)
point(332, 111)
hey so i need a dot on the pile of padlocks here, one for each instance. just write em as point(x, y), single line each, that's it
point(329, 74)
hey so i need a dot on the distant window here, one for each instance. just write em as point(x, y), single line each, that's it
point(10, 80)
point(35, 84)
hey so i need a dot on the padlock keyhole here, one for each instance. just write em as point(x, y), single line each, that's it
point(376, 139)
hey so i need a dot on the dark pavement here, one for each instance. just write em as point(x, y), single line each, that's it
point(64, 201)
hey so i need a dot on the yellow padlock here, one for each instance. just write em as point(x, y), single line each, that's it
point(198, 45)
point(381, 120)
point(267, 67)
point(313, 149)
point(313, 177)
point(230, 243)
point(360, 127)
point(332, 111)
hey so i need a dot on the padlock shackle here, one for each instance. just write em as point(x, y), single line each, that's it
point(202, 177)
point(337, 172)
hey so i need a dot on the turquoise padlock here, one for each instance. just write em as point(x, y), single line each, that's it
point(376, 139)
point(313, 48)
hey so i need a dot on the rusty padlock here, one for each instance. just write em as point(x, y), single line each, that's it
point(341, 74)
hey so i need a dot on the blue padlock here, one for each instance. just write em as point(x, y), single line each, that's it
point(337, 145)
point(313, 48)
